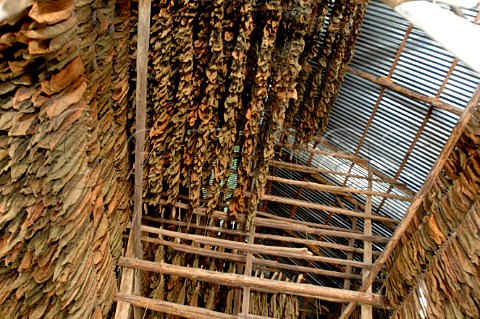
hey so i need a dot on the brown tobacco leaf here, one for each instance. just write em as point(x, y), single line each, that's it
point(63, 78)
point(52, 11)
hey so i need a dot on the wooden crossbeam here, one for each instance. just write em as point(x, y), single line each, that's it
point(297, 253)
point(367, 166)
point(240, 281)
point(296, 239)
point(271, 264)
point(412, 210)
point(177, 309)
point(315, 170)
point(339, 154)
point(337, 189)
point(388, 83)
point(326, 208)
point(285, 223)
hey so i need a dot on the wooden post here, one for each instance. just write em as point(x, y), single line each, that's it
point(123, 309)
point(248, 272)
point(367, 311)
point(418, 200)
point(347, 282)
point(144, 12)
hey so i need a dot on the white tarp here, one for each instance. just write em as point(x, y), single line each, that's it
point(456, 34)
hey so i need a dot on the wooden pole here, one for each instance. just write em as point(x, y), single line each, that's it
point(347, 283)
point(294, 239)
point(256, 261)
point(336, 189)
point(326, 208)
point(177, 309)
point(240, 281)
point(248, 272)
point(418, 200)
point(144, 12)
point(297, 253)
point(388, 83)
point(123, 309)
point(367, 311)
point(344, 155)
point(315, 170)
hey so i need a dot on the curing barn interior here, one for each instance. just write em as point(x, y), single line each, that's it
point(167, 159)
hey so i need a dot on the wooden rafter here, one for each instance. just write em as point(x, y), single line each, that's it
point(388, 83)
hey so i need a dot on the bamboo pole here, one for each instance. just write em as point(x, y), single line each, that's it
point(388, 83)
point(337, 210)
point(337, 189)
point(367, 311)
point(177, 309)
point(240, 281)
point(412, 210)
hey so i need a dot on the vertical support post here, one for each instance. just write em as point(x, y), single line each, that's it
point(123, 309)
point(144, 12)
point(367, 310)
point(248, 272)
point(347, 283)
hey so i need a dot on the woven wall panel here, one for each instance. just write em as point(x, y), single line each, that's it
point(63, 126)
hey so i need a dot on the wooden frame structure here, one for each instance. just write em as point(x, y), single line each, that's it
point(253, 252)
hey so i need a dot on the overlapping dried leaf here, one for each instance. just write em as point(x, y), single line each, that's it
point(64, 190)
point(435, 273)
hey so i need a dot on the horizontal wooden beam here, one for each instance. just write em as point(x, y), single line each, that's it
point(296, 253)
point(346, 212)
point(388, 83)
point(315, 170)
point(241, 281)
point(281, 223)
point(271, 264)
point(296, 240)
point(178, 309)
point(340, 154)
point(367, 166)
point(336, 189)
point(286, 223)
